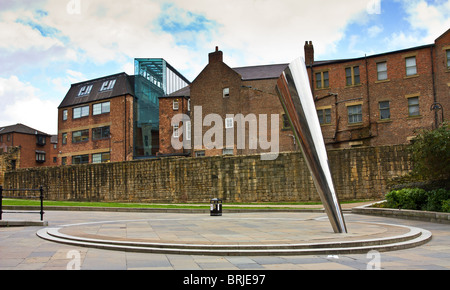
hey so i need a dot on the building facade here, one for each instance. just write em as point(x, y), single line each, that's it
point(95, 121)
point(36, 148)
point(230, 111)
point(382, 99)
point(115, 118)
point(375, 100)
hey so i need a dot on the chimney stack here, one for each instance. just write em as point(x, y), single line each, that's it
point(216, 56)
point(309, 53)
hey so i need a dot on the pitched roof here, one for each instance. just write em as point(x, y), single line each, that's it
point(123, 84)
point(272, 71)
point(20, 128)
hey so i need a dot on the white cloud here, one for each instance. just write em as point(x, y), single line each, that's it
point(374, 30)
point(427, 21)
point(21, 103)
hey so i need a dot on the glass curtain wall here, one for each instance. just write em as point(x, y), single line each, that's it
point(154, 78)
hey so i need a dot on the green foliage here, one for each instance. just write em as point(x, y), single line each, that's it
point(446, 205)
point(435, 199)
point(419, 199)
point(431, 153)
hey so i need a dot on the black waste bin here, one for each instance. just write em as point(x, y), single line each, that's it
point(216, 207)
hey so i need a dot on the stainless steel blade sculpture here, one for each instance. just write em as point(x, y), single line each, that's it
point(296, 97)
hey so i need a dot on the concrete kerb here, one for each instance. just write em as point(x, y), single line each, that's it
point(439, 217)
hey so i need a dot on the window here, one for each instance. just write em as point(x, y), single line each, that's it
point(226, 151)
point(385, 111)
point(324, 116)
point(411, 68)
point(64, 115)
point(226, 92)
point(107, 85)
point(80, 159)
point(85, 90)
point(55, 159)
point(199, 153)
point(175, 133)
point(64, 138)
point(354, 114)
point(64, 160)
point(382, 71)
point(40, 156)
point(322, 80)
point(101, 157)
point(413, 107)
point(80, 112)
point(229, 123)
point(176, 105)
point(100, 133)
point(101, 108)
point(447, 54)
point(40, 140)
point(80, 136)
point(286, 124)
point(352, 76)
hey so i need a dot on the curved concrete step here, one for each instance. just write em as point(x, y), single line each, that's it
point(413, 238)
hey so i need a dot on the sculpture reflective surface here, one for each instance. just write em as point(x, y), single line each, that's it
point(296, 97)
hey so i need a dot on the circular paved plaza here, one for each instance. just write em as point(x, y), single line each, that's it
point(259, 240)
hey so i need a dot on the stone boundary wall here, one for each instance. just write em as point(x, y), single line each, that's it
point(359, 173)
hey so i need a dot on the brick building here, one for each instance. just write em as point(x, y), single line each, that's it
point(373, 100)
point(116, 117)
point(36, 147)
point(231, 111)
point(95, 121)
point(381, 99)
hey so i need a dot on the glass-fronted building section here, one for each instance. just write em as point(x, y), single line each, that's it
point(154, 78)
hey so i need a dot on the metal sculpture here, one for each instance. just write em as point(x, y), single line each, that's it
point(296, 97)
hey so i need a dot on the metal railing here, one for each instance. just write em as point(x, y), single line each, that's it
point(41, 197)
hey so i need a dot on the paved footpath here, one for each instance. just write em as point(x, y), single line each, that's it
point(22, 249)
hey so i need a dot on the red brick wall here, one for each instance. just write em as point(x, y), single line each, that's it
point(442, 74)
point(28, 147)
point(166, 113)
point(207, 92)
point(396, 89)
point(120, 120)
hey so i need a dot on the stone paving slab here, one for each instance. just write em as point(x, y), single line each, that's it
point(20, 248)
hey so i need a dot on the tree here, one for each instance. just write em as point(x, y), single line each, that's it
point(431, 153)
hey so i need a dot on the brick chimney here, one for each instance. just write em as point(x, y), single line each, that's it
point(309, 53)
point(216, 56)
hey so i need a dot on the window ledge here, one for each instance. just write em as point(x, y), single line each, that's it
point(411, 77)
point(385, 121)
point(414, 117)
point(382, 81)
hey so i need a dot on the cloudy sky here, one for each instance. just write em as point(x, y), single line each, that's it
point(46, 45)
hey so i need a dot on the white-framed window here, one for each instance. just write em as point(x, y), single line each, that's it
point(107, 85)
point(64, 115)
point(226, 92)
point(413, 107)
point(382, 71)
point(189, 105)
point(101, 157)
point(85, 90)
point(354, 114)
point(385, 111)
point(175, 105)
point(226, 151)
point(80, 112)
point(176, 132)
point(229, 123)
point(101, 108)
point(411, 68)
point(40, 156)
